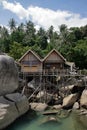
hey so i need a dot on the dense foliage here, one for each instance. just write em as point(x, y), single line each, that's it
point(71, 43)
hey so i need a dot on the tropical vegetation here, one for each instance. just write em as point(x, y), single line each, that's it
point(70, 42)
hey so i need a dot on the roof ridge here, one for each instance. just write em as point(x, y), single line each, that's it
point(56, 52)
point(34, 53)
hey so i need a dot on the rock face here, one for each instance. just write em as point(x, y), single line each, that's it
point(49, 119)
point(38, 106)
point(70, 100)
point(83, 100)
point(76, 106)
point(8, 112)
point(20, 101)
point(43, 96)
point(11, 107)
point(57, 107)
point(8, 75)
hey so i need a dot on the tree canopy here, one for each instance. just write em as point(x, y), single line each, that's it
point(70, 42)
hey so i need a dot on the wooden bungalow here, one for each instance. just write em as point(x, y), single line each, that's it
point(54, 61)
point(30, 62)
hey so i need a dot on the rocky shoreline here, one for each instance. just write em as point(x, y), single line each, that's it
point(69, 96)
point(12, 103)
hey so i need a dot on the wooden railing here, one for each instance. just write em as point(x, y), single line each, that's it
point(55, 72)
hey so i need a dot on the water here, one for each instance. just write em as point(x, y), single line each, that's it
point(34, 121)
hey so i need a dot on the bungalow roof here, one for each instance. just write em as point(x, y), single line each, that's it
point(32, 53)
point(54, 50)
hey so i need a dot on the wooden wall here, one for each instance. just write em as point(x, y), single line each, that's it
point(30, 63)
point(54, 57)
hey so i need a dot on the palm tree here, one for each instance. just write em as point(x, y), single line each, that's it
point(64, 33)
point(12, 24)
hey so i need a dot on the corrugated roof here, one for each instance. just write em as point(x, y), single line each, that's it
point(69, 63)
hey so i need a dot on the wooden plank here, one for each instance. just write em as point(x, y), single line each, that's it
point(50, 112)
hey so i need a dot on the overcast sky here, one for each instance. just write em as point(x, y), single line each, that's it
point(45, 13)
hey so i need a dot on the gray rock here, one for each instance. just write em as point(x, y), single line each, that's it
point(67, 88)
point(76, 106)
point(57, 107)
point(83, 112)
point(63, 113)
point(20, 101)
point(80, 83)
point(81, 118)
point(38, 106)
point(31, 84)
point(70, 100)
point(83, 99)
point(12, 107)
point(43, 96)
point(50, 112)
point(8, 75)
point(8, 112)
point(40, 94)
point(49, 119)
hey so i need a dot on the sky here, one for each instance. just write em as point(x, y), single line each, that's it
point(44, 13)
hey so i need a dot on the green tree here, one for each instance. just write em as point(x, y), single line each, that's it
point(80, 54)
point(64, 34)
point(4, 39)
point(41, 38)
point(17, 50)
point(12, 24)
point(29, 38)
point(17, 36)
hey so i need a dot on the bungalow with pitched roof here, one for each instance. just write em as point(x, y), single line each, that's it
point(30, 62)
point(54, 60)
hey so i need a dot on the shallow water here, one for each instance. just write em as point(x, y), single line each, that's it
point(34, 121)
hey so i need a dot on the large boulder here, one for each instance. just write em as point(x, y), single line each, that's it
point(66, 90)
point(8, 112)
point(49, 119)
point(70, 100)
point(11, 107)
point(20, 101)
point(40, 95)
point(83, 99)
point(8, 75)
point(57, 107)
point(80, 83)
point(76, 106)
point(43, 96)
point(38, 106)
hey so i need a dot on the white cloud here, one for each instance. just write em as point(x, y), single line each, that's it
point(16, 8)
point(2, 1)
point(45, 17)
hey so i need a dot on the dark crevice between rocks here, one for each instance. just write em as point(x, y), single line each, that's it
point(8, 99)
point(68, 107)
point(13, 102)
point(77, 89)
